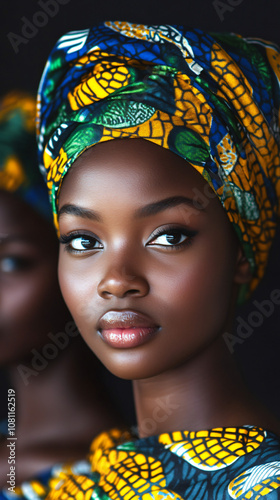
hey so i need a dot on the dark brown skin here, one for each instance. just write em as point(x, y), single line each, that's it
point(184, 376)
point(63, 407)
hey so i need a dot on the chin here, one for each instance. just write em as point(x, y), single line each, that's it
point(130, 373)
point(131, 369)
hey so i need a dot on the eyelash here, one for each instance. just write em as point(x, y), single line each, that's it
point(67, 239)
point(171, 230)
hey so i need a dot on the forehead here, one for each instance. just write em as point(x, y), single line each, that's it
point(19, 220)
point(15, 216)
point(136, 166)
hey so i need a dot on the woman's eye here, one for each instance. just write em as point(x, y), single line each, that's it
point(170, 238)
point(14, 264)
point(82, 243)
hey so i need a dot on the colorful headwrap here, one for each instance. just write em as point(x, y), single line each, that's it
point(213, 99)
point(18, 151)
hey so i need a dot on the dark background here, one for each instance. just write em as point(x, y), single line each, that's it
point(259, 18)
point(258, 354)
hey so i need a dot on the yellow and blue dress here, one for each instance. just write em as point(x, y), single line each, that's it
point(217, 464)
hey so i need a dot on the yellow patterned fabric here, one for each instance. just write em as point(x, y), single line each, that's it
point(39, 487)
point(215, 449)
point(18, 151)
point(218, 464)
point(213, 99)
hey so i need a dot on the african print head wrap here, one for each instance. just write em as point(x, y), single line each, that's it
point(18, 151)
point(213, 99)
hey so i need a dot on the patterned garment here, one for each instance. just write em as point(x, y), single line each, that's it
point(213, 99)
point(39, 487)
point(18, 151)
point(219, 464)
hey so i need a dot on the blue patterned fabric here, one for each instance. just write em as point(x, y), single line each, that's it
point(211, 98)
point(218, 464)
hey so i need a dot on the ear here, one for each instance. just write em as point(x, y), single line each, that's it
point(243, 273)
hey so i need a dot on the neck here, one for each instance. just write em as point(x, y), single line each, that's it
point(204, 393)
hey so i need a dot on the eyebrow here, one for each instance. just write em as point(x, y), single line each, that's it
point(85, 213)
point(7, 238)
point(146, 211)
point(161, 205)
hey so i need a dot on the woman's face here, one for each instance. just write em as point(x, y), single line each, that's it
point(146, 270)
point(30, 301)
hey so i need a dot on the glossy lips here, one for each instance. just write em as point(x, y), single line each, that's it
point(126, 329)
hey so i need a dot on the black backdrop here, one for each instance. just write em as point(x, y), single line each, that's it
point(24, 49)
point(248, 17)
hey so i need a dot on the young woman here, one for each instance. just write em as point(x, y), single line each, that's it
point(159, 237)
point(50, 372)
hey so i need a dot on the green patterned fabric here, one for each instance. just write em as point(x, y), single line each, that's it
point(213, 99)
point(18, 151)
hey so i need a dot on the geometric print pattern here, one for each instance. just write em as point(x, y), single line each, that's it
point(212, 99)
point(18, 151)
point(213, 450)
point(256, 482)
point(217, 464)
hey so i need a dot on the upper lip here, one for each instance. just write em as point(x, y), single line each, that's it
point(125, 319)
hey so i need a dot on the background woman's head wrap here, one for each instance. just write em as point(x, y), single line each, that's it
point(213, 99)
point(18, 151)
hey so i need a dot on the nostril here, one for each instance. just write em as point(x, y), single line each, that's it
point(106, 294)
point(120, 293)
point(122, 287)
point(132, 292)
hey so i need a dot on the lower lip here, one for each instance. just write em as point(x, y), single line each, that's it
point(128, 337)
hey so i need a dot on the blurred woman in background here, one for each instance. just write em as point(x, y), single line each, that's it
point(47, 365)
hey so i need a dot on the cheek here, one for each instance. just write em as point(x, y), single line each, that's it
point(30, 296)
point(78, 287)
point(197, 288)
point(28, 313)
point(18, 299)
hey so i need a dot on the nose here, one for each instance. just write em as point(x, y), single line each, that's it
point(122, 283)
